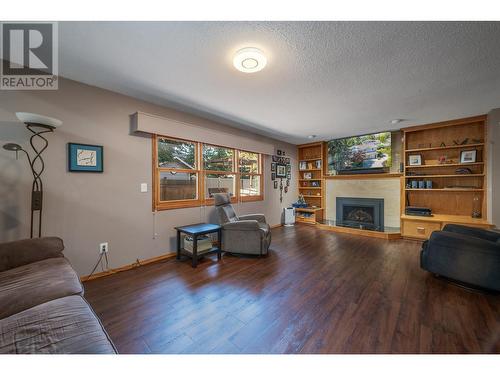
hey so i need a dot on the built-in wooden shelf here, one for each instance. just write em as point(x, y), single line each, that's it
point(310, 159)
point(458, 190)
point(448, 204)
point(362, 176)
point(455, 219)
point(446, 175)
point(445, 148)
point(444, 165)
point(310, 153)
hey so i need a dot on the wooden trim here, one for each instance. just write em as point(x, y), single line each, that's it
point(313, 144)
point(442, 124)
point(361, 232)
point(136, 264)
point(362, 176)
point(276, 226)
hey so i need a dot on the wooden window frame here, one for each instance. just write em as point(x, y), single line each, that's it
point(251, 198)
point(201, 174)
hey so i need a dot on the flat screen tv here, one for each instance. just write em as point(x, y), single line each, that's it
point(371, 152)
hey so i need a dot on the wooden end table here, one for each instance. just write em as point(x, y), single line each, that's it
point(194, 231)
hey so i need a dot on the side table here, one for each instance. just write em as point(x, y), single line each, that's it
point(194, 231)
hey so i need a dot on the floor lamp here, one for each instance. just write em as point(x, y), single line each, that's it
point(37, 125)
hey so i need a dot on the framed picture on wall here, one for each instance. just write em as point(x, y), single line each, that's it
point(275, 184)
point(281, 170)
point(85, 158)
point(273, 167)
point(273, 176)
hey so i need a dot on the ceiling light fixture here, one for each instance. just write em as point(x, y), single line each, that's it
point(396, 121)
point(249, 60)
point(312, 136)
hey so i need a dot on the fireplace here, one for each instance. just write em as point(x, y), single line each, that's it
point(363, 213)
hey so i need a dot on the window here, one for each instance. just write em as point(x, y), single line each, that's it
point(188, 174)
point(249, 166)
point(176, 175)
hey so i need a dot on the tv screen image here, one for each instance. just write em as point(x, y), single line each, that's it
point(361, 152)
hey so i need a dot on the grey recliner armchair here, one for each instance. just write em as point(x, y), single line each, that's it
point(246, 234)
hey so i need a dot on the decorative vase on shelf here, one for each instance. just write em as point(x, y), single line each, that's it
point(476, 206)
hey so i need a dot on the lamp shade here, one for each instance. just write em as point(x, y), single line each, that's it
point(33, 118)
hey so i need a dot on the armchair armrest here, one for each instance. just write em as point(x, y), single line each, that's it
point(473, 231)
point(249, 225)
point(18, 253)
point(259, 217)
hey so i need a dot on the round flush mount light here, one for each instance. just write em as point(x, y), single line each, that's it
point(249, 60)
point(312, 136)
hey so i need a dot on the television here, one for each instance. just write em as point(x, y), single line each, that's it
point(370, 153)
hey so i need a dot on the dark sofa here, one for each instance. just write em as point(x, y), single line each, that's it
point(465, 254)
point(42, 309)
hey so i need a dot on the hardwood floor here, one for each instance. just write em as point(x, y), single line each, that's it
point(316, 292)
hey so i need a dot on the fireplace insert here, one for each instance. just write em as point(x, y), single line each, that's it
point(363, 213)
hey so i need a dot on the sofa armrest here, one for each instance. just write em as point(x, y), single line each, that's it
point(461, 242)
point(259, 217)
point(242, 225)
point(484, 234)
point(18, 253)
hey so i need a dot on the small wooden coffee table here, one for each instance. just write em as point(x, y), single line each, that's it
point(194, 231)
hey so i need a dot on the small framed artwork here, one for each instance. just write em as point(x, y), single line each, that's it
point(85, 158)
point(415, 159)
point(280, 170)
point(288, 167)
point(275, 184)
point(314, 183)
point(273, 167)
point(307, 176)
point(279, 152)
point(275, 158)
point(318, 164)
point(468, 156)
point(287, 182)
point(289, 175)
point(273, 176)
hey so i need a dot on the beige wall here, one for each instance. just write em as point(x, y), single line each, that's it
point(86, 208)
point(385, 188)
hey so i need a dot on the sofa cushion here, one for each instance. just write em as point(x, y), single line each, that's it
point(64, 325)
point(35, 283)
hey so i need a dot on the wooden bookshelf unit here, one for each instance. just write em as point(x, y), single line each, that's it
point(311, 182)
point(457, 188)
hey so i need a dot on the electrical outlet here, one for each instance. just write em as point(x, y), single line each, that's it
point(103, 247)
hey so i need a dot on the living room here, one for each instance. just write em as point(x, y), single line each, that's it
point(271, 187)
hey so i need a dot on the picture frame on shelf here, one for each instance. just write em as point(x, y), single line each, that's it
point(318, 164)
point(307, 175)
point(468, 156)
point(303, 165)
point(415, 159)
point(314, 183)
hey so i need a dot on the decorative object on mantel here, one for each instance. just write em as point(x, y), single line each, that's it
point(37, 125)
point(85, 158)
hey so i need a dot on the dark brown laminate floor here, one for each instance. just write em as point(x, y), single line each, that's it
point(317, 292)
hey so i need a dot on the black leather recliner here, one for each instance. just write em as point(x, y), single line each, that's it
point(465, 254)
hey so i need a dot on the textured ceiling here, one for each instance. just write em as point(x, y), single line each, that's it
point(332, 79)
